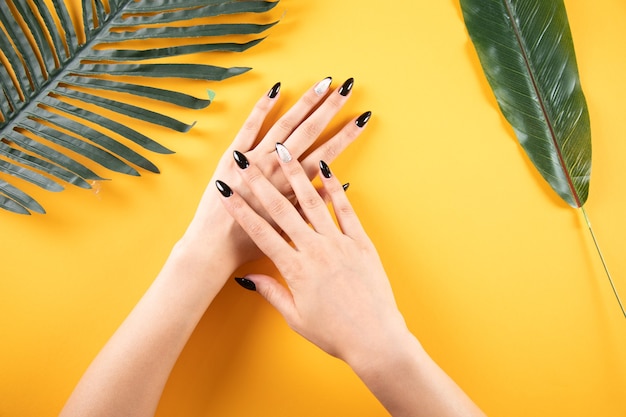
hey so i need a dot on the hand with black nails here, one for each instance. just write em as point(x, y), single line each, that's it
point(300, 129)
point(128, 375)
point(337, 294)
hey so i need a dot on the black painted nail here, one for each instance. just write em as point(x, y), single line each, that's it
point(241, 160)
point(274, 91)
point(223, 188)
point(363, 119)
point(246, 283)
point(325, 170)
point(346, 186)
point(346, 87)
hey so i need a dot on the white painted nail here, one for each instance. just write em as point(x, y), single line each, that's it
point(283, 153)
point(323, 85)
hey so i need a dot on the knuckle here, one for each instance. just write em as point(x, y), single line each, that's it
point(253, 176)
point(248, 222)
point(293, 170)
point(311, 130)
point(331, 150)
point(250, 125)
point(286, 124)
point(344, 210)
point(277, 207)
point(350, 132)
point(310, 202)
point(335, 101)
point(254, 230)
point(237, 206)
point(310, 99)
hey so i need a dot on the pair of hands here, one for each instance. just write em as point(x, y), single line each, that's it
point(337, 293)
point(299, 128)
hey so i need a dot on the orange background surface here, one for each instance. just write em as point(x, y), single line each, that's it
point(497, 277)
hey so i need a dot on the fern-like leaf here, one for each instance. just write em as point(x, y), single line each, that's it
point(46, 67)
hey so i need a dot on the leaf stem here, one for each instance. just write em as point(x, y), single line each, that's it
point(606, 269)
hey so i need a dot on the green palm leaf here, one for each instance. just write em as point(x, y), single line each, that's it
point(40, 130)
point(525, 48)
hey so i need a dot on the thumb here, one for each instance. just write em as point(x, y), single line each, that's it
point(270, 289)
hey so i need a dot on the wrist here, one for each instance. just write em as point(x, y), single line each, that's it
point(201, 263)
point(408, 382)
point(190, 280)
point(212, 240)
point(396, 350)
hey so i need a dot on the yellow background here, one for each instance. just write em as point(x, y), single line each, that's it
point(497, 277)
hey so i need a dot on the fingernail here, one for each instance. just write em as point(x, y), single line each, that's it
point(346, 186)
point(223, 188)
point(241, 160)
point(346, 87)
point(283, 153)
point(363, 119)
point(323, 85)
point(246, 283)
point(274, 91)
point(325, 170)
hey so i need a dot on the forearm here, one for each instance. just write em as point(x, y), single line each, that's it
point(410, 384)
point(129, 374)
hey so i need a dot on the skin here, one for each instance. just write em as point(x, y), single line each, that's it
point(128, 375)
point(337, 293)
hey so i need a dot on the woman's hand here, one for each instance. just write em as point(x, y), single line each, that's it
point(338, 295)
point(300, 128)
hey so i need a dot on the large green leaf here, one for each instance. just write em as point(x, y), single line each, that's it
point(526, 51)
point(47, 68)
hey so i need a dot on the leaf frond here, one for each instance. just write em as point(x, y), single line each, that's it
point(46, 59)
point(179, 15)
point(176, 32)
point(168, 96)
point(526, 50)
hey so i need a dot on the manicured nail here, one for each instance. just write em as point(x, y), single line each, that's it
point(346, 186)
point(246, 283)
point(241, 160)
point(223, 188)
point(363, 119)
point(323, 85)
point(346, 87)
point(274, 91)
point(325, 170)
point(283, 153)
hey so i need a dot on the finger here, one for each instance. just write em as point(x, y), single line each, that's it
point(267, 239)
point(280, 209)
point(248, 134)
point(309, 130)
point(309, 200)
point(323, 194)
point(275, 294)
point(333, 147)
point(284, 127)
point(346, 217)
